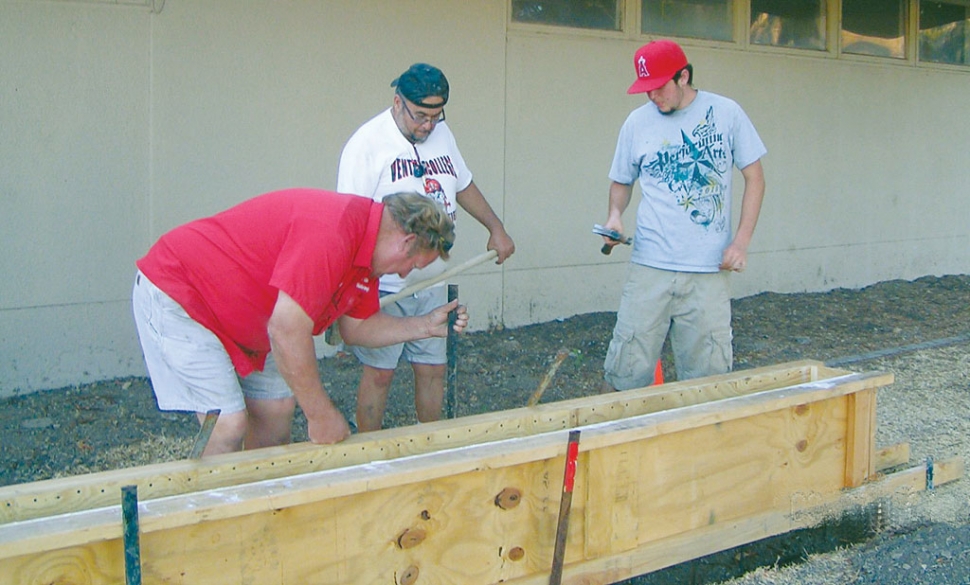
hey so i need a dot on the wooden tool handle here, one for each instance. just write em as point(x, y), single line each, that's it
point(410, 290)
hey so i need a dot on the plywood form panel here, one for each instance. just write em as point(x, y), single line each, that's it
point(353, 539)
point(682, 481)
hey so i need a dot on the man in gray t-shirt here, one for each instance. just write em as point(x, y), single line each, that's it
point(682, 146)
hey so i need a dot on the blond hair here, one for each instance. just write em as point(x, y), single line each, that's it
point(425, 218)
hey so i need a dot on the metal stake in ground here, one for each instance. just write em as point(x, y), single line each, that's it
point(129, 519)
point(569, 475)
point(451, 381)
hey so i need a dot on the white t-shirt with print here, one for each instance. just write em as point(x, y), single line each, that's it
point(378, 161)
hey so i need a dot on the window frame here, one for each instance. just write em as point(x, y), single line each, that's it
point(631, 14)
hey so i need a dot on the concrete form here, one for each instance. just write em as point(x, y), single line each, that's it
point(665, 474)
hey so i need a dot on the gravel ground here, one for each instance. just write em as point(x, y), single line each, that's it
point(916, 329)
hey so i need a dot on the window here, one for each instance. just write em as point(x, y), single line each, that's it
point(943, 32)
point(883, 29)
point(874, 27)
point(594, 14)
point(788, 23)
point(700, 19)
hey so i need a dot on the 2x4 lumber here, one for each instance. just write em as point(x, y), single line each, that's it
point(892, 456)
point(90, 491)
point(181, 517)
point(860, 438)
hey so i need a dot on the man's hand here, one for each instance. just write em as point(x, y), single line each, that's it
point(615, 224)
point(328, 427)
point(735, 258)
point(438, 319)
point(472, 201)
point(500, 241)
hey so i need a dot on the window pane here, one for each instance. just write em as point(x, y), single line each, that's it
point(788, 23)
point(874, 27)
point(597, 14)
point(943, 32)
point(701, 19)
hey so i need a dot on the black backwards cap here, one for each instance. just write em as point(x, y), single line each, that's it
point(422, 81)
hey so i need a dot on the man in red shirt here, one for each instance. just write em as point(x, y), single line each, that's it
point(226, 306)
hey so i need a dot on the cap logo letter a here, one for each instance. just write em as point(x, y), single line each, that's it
point(642, 67)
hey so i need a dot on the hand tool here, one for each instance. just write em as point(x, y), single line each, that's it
point(611, 234)
point(410, 290)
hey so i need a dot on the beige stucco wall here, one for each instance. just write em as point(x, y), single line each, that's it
point(117, 123)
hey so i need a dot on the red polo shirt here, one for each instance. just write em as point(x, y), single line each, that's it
point(226, 271)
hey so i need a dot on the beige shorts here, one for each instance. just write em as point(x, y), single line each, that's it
point(188, 365)
point(430, 351)
point(693, 307)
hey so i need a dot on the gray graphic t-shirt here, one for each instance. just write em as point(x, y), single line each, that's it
point(684, 161)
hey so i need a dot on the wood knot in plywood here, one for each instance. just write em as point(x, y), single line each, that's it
point(801, 445)
point(411, 537)
point(801, 409)
point(508, 498)
point(516, 553)
point(409, 576)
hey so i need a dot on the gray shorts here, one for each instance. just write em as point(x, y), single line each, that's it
point(431, 351)
point(188, 365)
point(695, 307)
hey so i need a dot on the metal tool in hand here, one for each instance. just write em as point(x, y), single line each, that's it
point(613, 235)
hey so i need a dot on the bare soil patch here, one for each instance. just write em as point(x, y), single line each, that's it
point(919, 330)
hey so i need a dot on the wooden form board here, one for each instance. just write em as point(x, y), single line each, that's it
point(71, 494)
point(726, 465)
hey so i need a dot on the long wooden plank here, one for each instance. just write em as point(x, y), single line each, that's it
point(59, 496)
point(269, 497)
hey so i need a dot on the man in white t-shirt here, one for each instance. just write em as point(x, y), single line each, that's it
point(409, 147)
point(682, 146)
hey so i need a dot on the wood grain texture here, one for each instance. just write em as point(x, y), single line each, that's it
point(71, 494)
point(728, 464)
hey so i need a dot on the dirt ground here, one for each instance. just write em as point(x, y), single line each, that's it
point(919, 330)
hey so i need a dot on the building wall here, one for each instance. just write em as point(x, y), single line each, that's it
point(120, 122)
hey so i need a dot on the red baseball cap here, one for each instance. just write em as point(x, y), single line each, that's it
point(656, 63)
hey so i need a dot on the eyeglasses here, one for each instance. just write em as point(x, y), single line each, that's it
point(421, 118)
